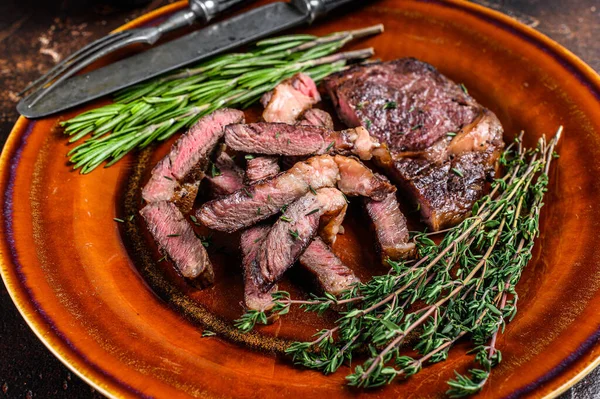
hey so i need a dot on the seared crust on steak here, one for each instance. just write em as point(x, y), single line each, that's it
point(438, 143)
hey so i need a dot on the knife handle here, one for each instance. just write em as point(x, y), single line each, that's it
point(317, 8)
point(208, 9)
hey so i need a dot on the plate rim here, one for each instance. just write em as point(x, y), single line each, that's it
point(110, 389)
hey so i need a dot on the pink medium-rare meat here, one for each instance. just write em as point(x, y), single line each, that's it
point(175, 236)
point(177, 176)
point(296, 140)
point(250, 242)
point(331, 273)
point(356, 179)
point(261, 167)
point(443, 145)
point(390, 228)
point(224, 175)
point(316, 117)
point(259, 201)
point(295, 230)
point(290, 99)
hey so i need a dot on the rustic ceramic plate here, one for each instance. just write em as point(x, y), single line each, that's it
point(96, 295)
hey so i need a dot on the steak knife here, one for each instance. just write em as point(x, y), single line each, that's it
point(193, 47)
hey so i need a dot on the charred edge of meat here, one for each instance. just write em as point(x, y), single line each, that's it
point(176, 238)
point(295, 230)
point(330, 272)
point(259, 201)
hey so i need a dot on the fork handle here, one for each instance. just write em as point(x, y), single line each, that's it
point(317, 8)
point(206, 10)
point(178, 20)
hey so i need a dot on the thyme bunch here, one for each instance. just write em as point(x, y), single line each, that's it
point(157, 109)
point(463, 286)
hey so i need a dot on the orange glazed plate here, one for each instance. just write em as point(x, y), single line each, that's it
point(95, 293)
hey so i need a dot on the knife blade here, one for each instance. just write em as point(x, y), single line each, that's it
point(193, 47)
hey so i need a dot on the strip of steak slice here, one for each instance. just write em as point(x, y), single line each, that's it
point(331, 273)
point(390, 228)
point(225, 176)
point(175, 236)
point(295, 140)
point(356, 179)
point(257, 202)
point(295, 230)
point(442, 144)
point(316, 117)
point(260, 168)
point(177, 176)
point(250, 242)
point(290, 99)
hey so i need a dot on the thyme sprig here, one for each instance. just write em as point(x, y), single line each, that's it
point(157, 109)
point(463, 286)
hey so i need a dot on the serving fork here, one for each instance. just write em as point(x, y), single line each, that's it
point(201, 10)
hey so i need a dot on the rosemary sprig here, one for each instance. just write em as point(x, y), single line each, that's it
point(157, 109)
point(464, 286)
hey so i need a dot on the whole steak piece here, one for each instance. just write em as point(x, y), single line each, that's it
point(443, 145)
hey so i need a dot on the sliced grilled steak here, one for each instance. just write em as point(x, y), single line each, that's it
point(263, 199)
point(357, 179)
point(331, 273)
point(177, 239)
point(390, 228)
point(295, 230)
point(290, 99)
point(316, 117)
point(416, 111)
point(294, 140)
point(177, 176)
point(260, 168)
point(225, 176)
point(250, 242)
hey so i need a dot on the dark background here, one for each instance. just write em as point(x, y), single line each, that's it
point(34, 35)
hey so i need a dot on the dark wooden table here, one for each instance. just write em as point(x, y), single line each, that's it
point(35, 34)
